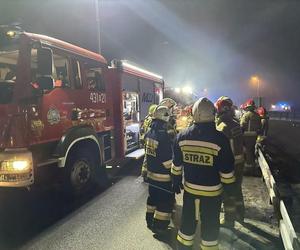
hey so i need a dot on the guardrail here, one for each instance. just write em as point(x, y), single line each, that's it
point(286, 229)
point(285, 115)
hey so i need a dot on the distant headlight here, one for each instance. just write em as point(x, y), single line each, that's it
point(184, 118)
point(237, 113)
point(11, 33)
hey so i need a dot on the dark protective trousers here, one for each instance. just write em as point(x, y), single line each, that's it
point(207, 209)
point(234, 206)
point(159, 205)
point(249, 143)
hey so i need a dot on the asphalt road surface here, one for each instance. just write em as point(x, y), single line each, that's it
point(114, 219)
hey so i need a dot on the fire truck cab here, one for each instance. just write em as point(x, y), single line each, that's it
point(64, 108)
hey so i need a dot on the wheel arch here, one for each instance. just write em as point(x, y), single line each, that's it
point(75, 137)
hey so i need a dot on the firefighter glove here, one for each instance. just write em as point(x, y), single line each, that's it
point(177, 187)
point(144, 175)
point(229, 189)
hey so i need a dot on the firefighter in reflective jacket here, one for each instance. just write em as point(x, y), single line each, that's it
point(158, 157)
point(226, 123)
point(262, 112)
point(147, 123)
point(251, 126)
point(204, 156)
point(170, 104)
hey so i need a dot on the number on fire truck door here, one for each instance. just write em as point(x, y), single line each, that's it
point(97, 97)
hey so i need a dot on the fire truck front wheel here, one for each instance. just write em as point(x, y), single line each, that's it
point(80, 172)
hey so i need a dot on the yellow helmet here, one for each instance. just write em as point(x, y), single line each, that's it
point(151, 109)
point(162, 113)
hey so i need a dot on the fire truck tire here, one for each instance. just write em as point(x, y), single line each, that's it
point(80, 172)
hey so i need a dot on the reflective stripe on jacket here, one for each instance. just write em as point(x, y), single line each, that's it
point(204, 156)
point(233, 131)
point(158, 152)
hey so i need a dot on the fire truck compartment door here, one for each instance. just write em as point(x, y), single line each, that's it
point(130, 83)
point(146, 96)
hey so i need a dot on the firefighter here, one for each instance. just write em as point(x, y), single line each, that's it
point(170, 104)
point(158, 158)
point(204, 156)
point(262, 112)
point(251, 126)
point(226, 98)
point(147, 123)
point(233, 108)
point(234, 208)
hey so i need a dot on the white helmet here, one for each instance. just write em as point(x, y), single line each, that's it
point(203, 111)
point(162, 113)
point(168, 102)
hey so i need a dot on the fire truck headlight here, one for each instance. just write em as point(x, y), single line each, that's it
point(15, 165)
point(237, 113)
point(20, 165)
point(16, 161)
point(16, 168)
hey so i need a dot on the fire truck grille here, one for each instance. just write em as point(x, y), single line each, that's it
point(15, 177)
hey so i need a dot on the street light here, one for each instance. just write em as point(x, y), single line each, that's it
point(256, 80)
point(98, 24)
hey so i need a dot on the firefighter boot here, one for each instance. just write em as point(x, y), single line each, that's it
point(229, 211)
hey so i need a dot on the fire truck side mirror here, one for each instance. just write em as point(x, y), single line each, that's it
point(44, 69)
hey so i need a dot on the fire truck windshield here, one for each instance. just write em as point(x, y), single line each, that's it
point(8, 66)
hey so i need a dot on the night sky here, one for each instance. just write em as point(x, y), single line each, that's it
point(209, 44)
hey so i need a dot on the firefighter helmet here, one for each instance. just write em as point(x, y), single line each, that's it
point(152, 108)
point(261, 111)
point(249, 104)
point(168, 102)
point(224, 104)
point(203, 111)
point(162, 113)
point(225, 98)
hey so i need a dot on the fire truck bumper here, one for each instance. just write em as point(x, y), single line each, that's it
point(16, 168)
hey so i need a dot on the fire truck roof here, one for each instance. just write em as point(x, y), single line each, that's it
point(136, 70)
point(68, 46)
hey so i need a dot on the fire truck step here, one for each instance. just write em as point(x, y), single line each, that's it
point(137, 154)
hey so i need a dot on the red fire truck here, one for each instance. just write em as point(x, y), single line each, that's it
point(64, 109)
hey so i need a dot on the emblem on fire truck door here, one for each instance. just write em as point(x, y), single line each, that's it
point(53, 116)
